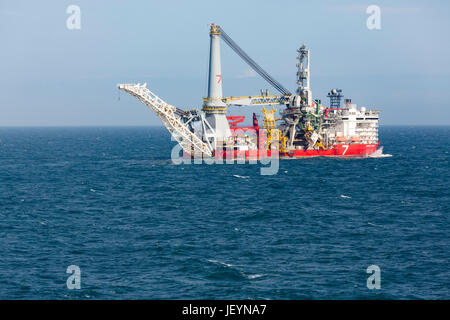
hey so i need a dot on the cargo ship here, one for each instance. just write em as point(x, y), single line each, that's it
point(304, 127)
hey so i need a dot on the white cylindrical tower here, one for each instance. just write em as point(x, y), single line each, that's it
point(215, 72)
point(213, 106)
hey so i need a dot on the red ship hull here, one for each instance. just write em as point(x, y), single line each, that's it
point(353, 150)
point(339, 150)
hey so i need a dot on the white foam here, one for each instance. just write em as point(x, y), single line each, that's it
point(254, 276)
point(222, 263)
point(379, 154)
point(242, 177)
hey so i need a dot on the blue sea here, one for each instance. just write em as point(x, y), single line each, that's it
point(110, 201)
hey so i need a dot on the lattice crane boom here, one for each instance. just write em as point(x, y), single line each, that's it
point(189, 141)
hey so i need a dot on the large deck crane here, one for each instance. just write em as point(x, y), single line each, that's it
point(264, 98)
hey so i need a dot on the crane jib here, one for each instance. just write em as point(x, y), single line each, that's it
point(253, 64)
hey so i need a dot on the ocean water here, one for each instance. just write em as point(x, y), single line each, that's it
point(110, 201)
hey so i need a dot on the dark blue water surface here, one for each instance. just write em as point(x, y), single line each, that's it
point(110, 201)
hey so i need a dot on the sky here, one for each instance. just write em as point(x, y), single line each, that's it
point(54, 76)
